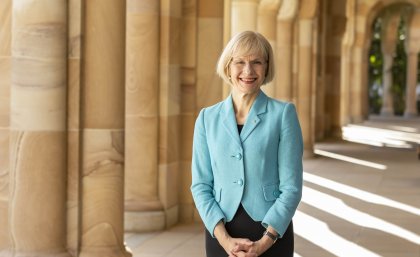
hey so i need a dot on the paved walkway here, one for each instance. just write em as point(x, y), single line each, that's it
point(358, 200)
point(398, 132)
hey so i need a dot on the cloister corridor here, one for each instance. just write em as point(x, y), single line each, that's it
point(358, 200)
point(98, 103)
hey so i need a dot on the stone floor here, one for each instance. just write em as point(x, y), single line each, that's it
point(358, 200)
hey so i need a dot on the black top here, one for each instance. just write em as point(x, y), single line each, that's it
point(240, 128)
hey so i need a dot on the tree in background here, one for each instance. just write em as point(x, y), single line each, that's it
point(399, 70)
point(375, 69)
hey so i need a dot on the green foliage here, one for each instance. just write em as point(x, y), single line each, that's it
point(375, 69)
point(399, 70)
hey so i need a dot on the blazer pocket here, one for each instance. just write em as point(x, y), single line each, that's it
point(271, 192)
point(217, 193)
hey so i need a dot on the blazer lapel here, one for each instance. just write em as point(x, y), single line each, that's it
point(229, 120)
point(253, 119)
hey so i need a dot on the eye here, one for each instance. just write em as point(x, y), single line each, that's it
point(239, 62)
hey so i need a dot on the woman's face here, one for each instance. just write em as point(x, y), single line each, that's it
point(247, 73)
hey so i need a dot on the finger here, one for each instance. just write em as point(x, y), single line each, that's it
point(240, 254)
point(246, 241)
point(241, 247)
point(251, 255)
point(233, 254)
point(245, 254)
point(245, 245)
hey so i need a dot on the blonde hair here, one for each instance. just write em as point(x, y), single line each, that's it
point(244, 44)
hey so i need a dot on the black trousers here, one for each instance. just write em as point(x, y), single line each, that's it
point(243, 226)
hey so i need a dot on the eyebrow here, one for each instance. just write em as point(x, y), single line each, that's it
point(241, 59)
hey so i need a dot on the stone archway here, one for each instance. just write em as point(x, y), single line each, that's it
point(355, 45)
point(396, 12)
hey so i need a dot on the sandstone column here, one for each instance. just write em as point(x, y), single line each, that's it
point(103, 129)
point(74, 131)
point(284, 50)
point(305, 65)
point(266, 25)
point(410, 99)
point(304, 91)
point(209, 48)
point(358, 88)
point(320, 76)
point(169, 107)
point(227, 34)
point(143, 209)
point(5, 58)
point(243, 15)
point(189, 42)
point(336, 62)
point(38, 129)
point(390, 24)
point(209, 87)
point(412, 48)
point(358, 79)
point(227, 24)
point(346, 69)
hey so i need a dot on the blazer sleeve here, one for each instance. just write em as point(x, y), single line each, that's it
point(202, 178)
point(290, 173)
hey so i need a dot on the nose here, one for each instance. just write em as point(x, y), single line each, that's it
point(248, 68)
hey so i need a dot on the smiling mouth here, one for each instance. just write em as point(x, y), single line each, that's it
point(248, 80)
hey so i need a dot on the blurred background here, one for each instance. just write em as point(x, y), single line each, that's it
point(98, 100)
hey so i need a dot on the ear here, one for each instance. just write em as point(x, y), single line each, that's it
point(227, 71)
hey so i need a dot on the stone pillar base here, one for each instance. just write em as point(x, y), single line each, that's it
point(144, 221)
point(149, 221)
point(410, 114)
point(186, 212)
point(172, 216)
point(336, 132)
point(387, 112)
point(308, 153)
point(357, 119)
point(104, 251)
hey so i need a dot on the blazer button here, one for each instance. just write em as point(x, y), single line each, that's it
point(276, 193)
point(239, 156)
point(240, 182)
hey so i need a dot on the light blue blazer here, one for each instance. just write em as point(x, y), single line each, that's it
point(260, 168)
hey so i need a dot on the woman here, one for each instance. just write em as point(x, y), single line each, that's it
point(247, 159)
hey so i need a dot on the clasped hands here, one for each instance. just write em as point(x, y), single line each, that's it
point(242, 247)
